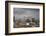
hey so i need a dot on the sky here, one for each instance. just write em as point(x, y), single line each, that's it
point(21, 12)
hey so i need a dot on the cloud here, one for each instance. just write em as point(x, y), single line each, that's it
point(19, 12)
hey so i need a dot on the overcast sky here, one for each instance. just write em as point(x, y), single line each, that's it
point(21, 12)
